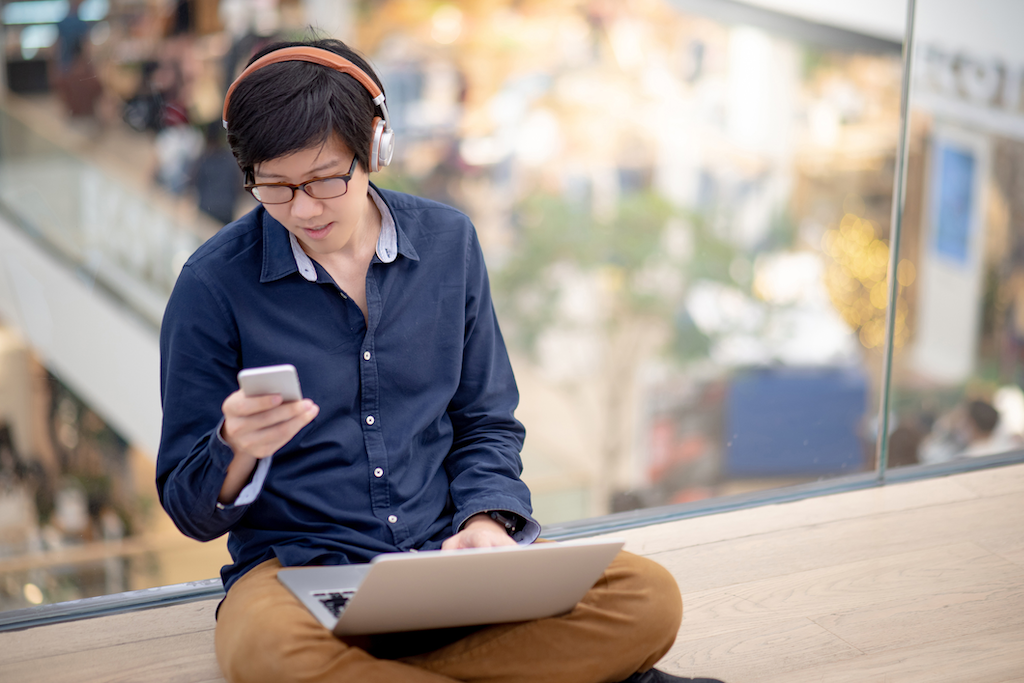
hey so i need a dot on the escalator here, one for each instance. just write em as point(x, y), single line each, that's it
point(89, 251)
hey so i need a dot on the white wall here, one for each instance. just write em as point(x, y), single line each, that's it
point(880, 18)
point(984, 28)
point(91, 342)
point(968, 74)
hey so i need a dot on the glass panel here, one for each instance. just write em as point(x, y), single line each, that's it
point(685, 215)
point(687, 225)
point(959, 354)
point(78, 510)
point(82, 216)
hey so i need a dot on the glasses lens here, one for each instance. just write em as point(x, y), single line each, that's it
point(327, 188)
point(272, 194)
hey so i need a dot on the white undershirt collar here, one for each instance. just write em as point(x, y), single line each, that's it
point(387, 241)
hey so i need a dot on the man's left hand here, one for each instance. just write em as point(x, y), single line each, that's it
point(479, 531)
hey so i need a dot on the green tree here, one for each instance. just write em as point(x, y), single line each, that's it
point(637, 260)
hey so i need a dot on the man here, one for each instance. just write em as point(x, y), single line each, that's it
point(406, 439)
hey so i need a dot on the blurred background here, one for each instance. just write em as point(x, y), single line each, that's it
point(686, 208)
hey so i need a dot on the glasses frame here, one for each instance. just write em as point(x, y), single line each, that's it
point(251, 187)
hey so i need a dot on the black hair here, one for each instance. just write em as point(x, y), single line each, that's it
point(291, 106)
point(983, 415)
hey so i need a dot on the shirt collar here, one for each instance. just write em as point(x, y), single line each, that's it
point(283, 255)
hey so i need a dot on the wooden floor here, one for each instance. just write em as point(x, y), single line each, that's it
point(916, 582)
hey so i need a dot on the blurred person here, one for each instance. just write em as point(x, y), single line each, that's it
point(12, 468)
point(163, 100)
point(72, 33)
point(162, 103)
point(982, 433)
point(381, 300)
point(1012, 347)
point(944, 440)
point(74, 77)
point(178, 148)
point(252, 26)
point(904, 443)
point(217, 179)
point(144, 110)
point(178, 143)
point(18, 471)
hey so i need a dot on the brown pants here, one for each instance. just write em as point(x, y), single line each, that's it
point(626, 623)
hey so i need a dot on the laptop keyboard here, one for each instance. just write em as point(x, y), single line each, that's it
point(334, 602)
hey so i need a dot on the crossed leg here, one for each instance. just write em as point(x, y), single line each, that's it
point(624, 624)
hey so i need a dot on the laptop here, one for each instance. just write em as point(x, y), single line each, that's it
point(433, 589)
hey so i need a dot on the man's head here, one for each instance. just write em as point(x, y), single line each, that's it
point(288, 106)
point(982, 418)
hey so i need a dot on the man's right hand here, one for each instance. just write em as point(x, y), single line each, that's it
point(256, 427)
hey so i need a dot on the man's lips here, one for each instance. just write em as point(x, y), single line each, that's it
point(316, 230)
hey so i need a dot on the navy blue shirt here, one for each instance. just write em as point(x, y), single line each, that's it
point(415, 432)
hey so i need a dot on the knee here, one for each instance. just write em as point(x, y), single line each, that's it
point(258, 650)
point(248, 651)
point(651, 598)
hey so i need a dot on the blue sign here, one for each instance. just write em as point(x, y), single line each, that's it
point(952, 194)
point(795, 422)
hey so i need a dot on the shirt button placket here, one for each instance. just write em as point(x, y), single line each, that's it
point(371, 405)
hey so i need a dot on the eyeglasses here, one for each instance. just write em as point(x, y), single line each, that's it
point(327, 187)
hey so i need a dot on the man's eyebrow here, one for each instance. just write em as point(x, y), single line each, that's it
point(312, 173)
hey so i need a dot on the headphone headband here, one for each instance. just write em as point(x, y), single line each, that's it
point(314, 55)
point(383, 137)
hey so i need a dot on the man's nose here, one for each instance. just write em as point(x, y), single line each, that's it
point(304, 206)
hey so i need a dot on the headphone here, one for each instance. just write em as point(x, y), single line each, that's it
point(382, 146)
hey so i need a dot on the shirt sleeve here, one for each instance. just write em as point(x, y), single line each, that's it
point(198, 363)
point(484, 465)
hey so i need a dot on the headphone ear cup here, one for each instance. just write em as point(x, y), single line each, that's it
point(382, 146)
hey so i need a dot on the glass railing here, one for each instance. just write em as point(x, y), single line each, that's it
point(113, 226)
point(78, 513)
point(958, 336)
point(690, 226)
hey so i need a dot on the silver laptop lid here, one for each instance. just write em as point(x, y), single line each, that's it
point(439, 589)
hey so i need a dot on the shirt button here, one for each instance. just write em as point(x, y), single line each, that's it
point(370, 420)
point(392, 519)
point(366, 355)
point(379, 472)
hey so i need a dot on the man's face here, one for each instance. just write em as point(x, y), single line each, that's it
point(322, 226)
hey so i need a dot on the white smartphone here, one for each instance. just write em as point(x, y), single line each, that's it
point(271, 379)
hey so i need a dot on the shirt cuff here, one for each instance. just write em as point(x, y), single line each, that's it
point(250, 491)
point(528, 534)
point(525, 536)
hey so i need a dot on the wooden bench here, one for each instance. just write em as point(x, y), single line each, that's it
point(914, 582)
